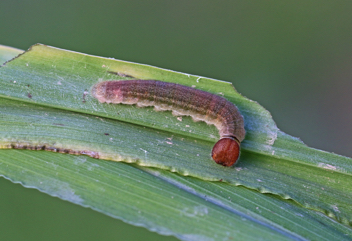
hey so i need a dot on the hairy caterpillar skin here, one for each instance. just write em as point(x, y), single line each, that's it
point(182, 100)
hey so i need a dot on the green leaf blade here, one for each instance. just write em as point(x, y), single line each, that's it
point(104, 186)
point(46, 103)
point(7, 53)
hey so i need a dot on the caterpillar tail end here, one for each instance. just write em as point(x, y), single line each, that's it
point(226, 151)
point(98, 91)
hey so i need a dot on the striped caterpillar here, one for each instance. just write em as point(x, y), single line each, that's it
point(182, 100)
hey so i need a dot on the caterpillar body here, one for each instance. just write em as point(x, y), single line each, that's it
point(182, 100)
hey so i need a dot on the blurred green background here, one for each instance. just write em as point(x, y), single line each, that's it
point(293, 57)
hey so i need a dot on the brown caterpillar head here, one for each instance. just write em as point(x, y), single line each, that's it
point(226, 151)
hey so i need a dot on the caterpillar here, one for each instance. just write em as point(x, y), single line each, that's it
point(182, 100)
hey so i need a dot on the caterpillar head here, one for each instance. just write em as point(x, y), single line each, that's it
point(226, 151)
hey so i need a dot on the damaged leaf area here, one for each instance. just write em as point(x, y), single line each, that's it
point(46, 104)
